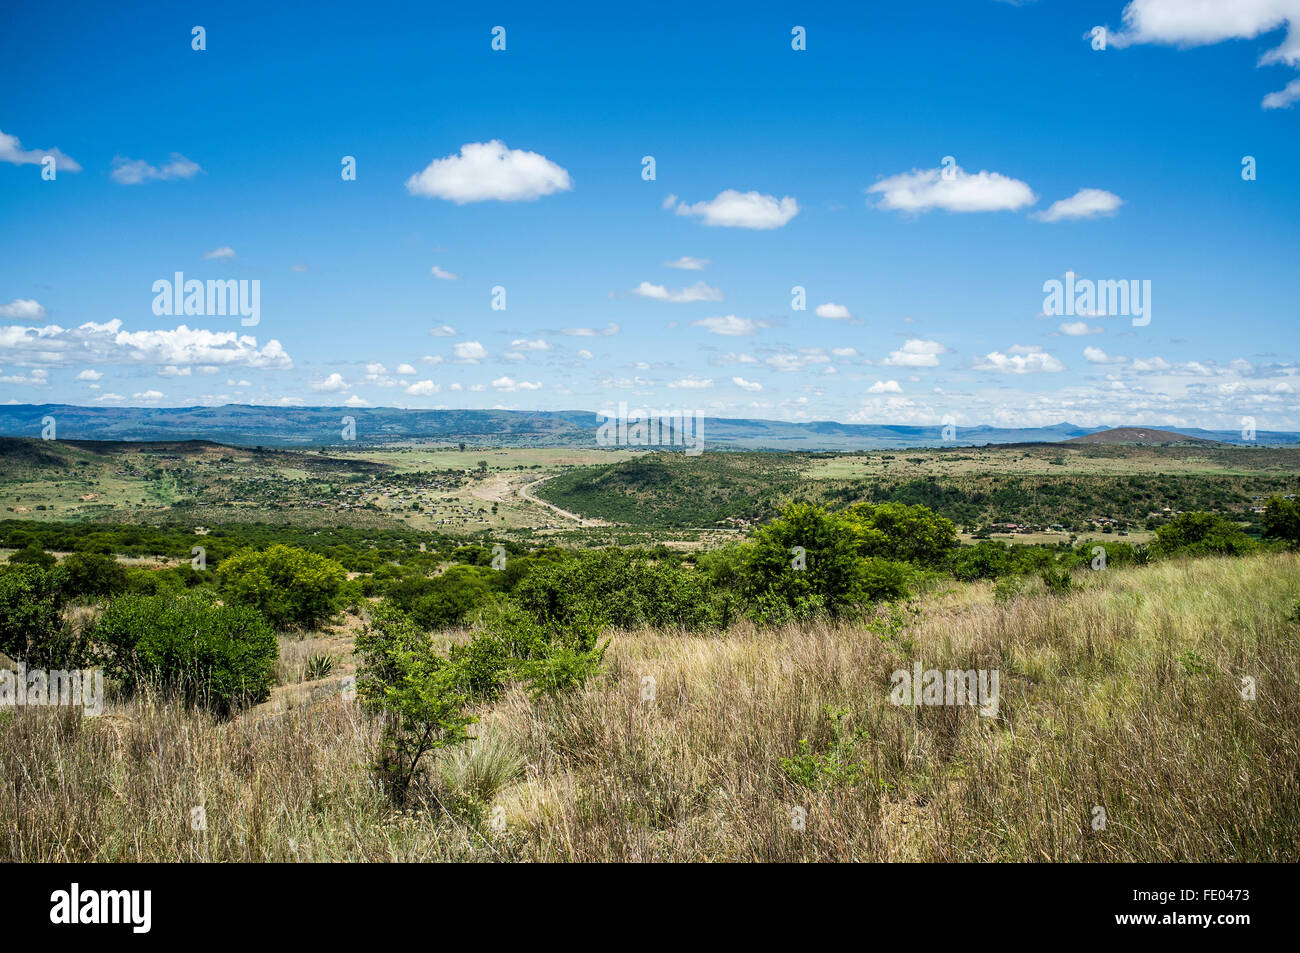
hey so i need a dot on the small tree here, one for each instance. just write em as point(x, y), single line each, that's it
point(1282, 521)
point(419, 695)
point(31, 629)
point(292, 588)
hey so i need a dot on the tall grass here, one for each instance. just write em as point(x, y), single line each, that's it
point(1124, 695)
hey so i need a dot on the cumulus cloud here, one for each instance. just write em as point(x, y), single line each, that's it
point(509, 385)
point(138, 171)
point(885, 387)
point(734, 209)
point(107, 343)
point(523, 344)
point(89, 375)
point(916, 353)
point(221, 254)
point(746, 385)
point(696, 292)
point(489, 171)
point(12, 151)
point(1085, 203)
point(1076, 329)
point(606, 331)
point(439, 272)
point(953, 190)
point(1095, 355)
point(470, 352)
point(1021, 359)
point(833, 311)
point(22, 309)
point(355, 401)
point(423, 389)
point(443, 331)
point(691, 383)
point(730, 325)
point(688, 263)
point(1184, 23)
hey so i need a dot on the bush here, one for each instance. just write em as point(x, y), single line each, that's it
point(830, 566)
point(898, 531)
point(626, 590)
point(91, 574)
point(32, 556)
point(1201, 534)
point(31, 629)
point(1282, 521)
point(217, 656)
point(292, 588)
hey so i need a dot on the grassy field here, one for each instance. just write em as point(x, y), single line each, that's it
point(1124, 695)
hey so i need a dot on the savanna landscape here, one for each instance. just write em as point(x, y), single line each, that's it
point(456, 653)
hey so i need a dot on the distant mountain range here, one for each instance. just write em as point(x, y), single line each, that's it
point(244, 425)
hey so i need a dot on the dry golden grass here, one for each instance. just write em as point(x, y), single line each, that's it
point(1124, 695)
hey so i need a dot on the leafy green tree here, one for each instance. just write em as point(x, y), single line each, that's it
point(33, 556)
point(419, 695)
point(810, 557)
point(1282, 520)
point(292, 588)
point(220, 657)
point(898, 531)
point(93, 574)
point(1201, 534)
point(31, 628)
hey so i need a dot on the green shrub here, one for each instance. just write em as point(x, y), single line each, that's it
point(92, 574)
point(31, 628)
point(626, 590)
point(32, 556)
point(218, 656)
point(292, 588)
point(909, 533)
point(1201, 534)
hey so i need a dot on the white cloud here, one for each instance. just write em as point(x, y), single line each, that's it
point(443, 331)
point(1076, 329)
point(300, 267)
point(916, 353)
point(333, 384)
point(522, 344)
point(957, 191)
point(688, 263)
point(734, 209)
point(405, 369)
point(137, 171)
point(439, 272)
point(222, 253)
point(12, 151)
point(355, 401)
point(22, 309)
point(1151, 364)
point(423, 389)
point(747, 385)
point(470, 352)
point(691, 383)
point(585, 354)
point(1201, 23)
point(696, 292)
point(606, 331)
point(730, 325)
point(148, 395)
point(1095, 355)
point(1284, 97)
point(89, 375)
point(107, 343)
point(510, 385)
point(1085, 203)
point(833, 311)
point(484, 171)
point(885, 387)
point(1021, 359)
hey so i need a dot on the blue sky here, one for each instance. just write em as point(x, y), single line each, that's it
point(522, 169)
